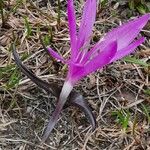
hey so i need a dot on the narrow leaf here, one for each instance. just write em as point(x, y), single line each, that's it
point(44, 85)
point(75, 99)
point(136, 61)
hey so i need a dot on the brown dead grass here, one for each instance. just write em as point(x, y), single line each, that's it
point(25, 109)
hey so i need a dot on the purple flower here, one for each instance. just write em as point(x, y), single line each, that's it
point(86, 58)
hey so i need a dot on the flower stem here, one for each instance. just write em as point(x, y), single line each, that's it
point(66, 89)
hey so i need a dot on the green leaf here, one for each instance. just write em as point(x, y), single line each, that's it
point(46, 40)
point(146, 110)
point(28, 29)
point(13, 80)
point(147, 92)
point(104, 2)
point(131, 4)
point(122, 117)
point(142, 9)
point(135, 61)
point(15, 7)
point(5, 71)
point(148, 6)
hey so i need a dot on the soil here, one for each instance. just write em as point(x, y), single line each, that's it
point(118, 94)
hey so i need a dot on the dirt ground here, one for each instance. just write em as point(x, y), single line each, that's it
point(119, 94)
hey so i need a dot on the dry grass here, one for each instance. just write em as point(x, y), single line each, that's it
point(116, 93)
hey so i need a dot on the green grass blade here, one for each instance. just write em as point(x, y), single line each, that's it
point(136, 61)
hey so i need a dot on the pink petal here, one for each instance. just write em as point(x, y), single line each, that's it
point(88, 19)
point(126, 33)
point(72, 27)
point(127, 50)
point(56, 55)
point(77, 71)
point(102, 59)
point(97, 47)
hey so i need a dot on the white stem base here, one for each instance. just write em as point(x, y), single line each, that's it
point(66, 89)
